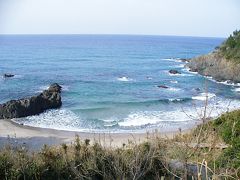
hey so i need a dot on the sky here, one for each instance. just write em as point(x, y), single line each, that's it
point(208, 18)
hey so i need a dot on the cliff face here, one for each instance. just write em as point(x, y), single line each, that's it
point(222, 64)
point(216, 66)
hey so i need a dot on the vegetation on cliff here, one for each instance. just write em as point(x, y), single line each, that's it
point(222, 64)
point(230, 49)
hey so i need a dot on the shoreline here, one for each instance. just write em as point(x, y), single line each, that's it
point(227, 82)
point(34, 137)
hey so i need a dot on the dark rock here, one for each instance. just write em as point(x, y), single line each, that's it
point(173, 71)
point(162, 86)
point(192, 169)
point(8, 75)
point(193, 70)
point(197, 89)
point(184, 60)
point(48, 99)
point(55, 88)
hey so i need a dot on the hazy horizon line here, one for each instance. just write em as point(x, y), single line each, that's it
point(106, 34)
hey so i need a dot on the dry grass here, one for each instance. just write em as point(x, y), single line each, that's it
point(180, 157)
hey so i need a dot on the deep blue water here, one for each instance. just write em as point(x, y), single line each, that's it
point(110, 81)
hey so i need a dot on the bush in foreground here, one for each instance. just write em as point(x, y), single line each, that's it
point(193, 155)
point(84, 161)
point(228, 127)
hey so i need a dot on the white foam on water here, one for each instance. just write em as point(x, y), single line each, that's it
point(42, 88)
point(157, 117)
point(60, 119)
point(187, 69)
point(149, 78)
point(172, 100)
point(124, 79)
point(63, 119)
point(170, 74)
point(17, 76)
point(174, 82)
point(227, 82)
point(65, 88)
point(110, 122)
point(173, 89)
point(180, 66)
point(173, 59)
point(179, 116)
point(237, 89)
point(168, 59)
point(204, 96)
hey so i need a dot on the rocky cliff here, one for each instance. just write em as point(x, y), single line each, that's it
point(222, 64)
point(216, 66)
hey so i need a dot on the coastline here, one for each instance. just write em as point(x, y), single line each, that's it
point(216, 66)
point(34, 138)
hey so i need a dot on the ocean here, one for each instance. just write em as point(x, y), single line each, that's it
point(110, 82)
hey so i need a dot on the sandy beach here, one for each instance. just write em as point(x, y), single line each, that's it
point(34, 138)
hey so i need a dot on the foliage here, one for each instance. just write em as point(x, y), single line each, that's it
point(148, 160)
point(84, 161)
point(228, 127)
point(231, 47)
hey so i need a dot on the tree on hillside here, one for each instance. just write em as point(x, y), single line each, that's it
point(230, 49)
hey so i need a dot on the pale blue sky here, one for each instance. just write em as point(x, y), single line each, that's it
point(213, 18)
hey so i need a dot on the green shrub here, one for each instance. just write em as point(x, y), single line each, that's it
point(6, 165)
point(230, 49)
point(228, 127)
point(83, 161)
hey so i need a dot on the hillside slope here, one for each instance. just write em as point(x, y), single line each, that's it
point(222, 64)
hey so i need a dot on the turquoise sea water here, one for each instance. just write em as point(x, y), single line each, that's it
point(110, 81)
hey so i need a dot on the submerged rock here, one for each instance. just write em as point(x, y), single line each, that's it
point(162, 86)
point(48, 99)
point(8, 75)
point(173, 71)
point(197, 89)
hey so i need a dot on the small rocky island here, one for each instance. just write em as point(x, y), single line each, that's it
point(48, 99)
point(223, 64)
point(173, 71)
point(8, 75)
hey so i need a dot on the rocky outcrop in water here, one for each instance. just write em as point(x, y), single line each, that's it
point(8, 75)
point(216, 66)
point(48, 99)
point(173, 71)
point(162, 86)
point(186, 60)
